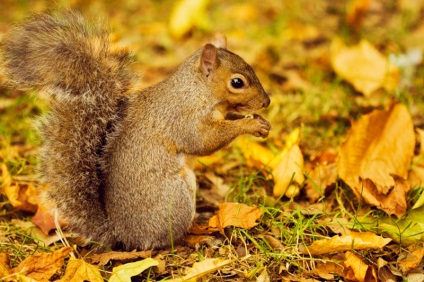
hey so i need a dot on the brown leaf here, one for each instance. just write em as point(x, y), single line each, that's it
point(235, 214)
point(195, 240)
point(319, 179)
point(373, 150)
point(392, 203)
point(363, 66)
point(412, 259)
point(198, 229)
point(42, 266)
point(384, 272)
point(104, 258)
point(44, 219)
point(78, 270)
point(353, 240)
point(356, 13)
point(357, 270)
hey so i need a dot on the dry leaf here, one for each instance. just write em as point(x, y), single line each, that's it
point(202, 268)
point(353, 240)
point(363, 66)
point(384, 273)
point(104, 258)
point(235, 214)
point(5, 269)
point(198, 229)
point(357, 270)
point(288, 173)
point(256, 155)
point(78, 270)
point(123, 273)
point(34, 231)
point(20, 196)
point(373, 151)
point(185, 15)
point(319, 179)
point(356, 13)
point(263, 277)
point(44, 219)
point(327, 270)
point(42, 266)
point(412, 259)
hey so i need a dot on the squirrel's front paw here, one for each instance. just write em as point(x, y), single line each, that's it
point(260, 126)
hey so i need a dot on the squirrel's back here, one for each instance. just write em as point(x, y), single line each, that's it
point(61, 55)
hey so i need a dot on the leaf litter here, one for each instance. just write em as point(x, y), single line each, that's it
point(320, 199)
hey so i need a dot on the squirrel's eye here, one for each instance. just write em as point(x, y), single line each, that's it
point(237, 83)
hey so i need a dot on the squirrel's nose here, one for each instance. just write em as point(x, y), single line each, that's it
point(266, 102)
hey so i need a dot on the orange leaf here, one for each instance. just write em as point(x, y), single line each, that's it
point(412, 259)
point(41, 267)
point(353, 240)
point(363, 66)
point(374, 151)
point(235, 214)
point(357, 270)
point(5, 269)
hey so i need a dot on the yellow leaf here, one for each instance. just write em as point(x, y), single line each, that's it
point(5, 269)
point(256, 155)
point(235, 214)
point(123, 273)
point(202, 268)
point(357, 270)
point(185, 15)
point(290, 166)
point(353, 240)
point(379, 147)
point(42, 266)
point(363, 66)
point(78, 270)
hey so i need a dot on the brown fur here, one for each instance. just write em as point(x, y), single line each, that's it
point(119, 166)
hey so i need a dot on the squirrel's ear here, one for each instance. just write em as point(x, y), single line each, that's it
point(220, 41)
point(209, 60)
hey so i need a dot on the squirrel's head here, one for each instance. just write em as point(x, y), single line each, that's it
point(232, 80)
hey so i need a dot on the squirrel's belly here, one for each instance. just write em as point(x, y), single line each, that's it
point(187, 174)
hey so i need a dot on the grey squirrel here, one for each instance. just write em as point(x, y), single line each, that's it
point(119, 165)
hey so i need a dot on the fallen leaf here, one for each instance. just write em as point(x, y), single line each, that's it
point(263, 277)
point(319, 179)
point(351, 241)
point(256, 155)
point(185, 15)
point(357, 270)
point(199, 229)
point(78, 270)
point(5, 269)
point(123, 273)
point(196, 240)
point(384, 273)
point(42, 266)
point(235, 214)
point(373, 151)
point(23, 196)
point(104, 258)
point(356, 13)
point(363, 66)
point(44, 219)
point(288, 174)
point(200, 269)
point(411, 259)
point(327, 270)
point(32, 230)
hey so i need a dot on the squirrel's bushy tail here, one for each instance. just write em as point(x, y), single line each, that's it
point(61, 55)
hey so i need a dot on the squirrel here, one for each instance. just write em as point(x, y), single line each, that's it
point(119, 162)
